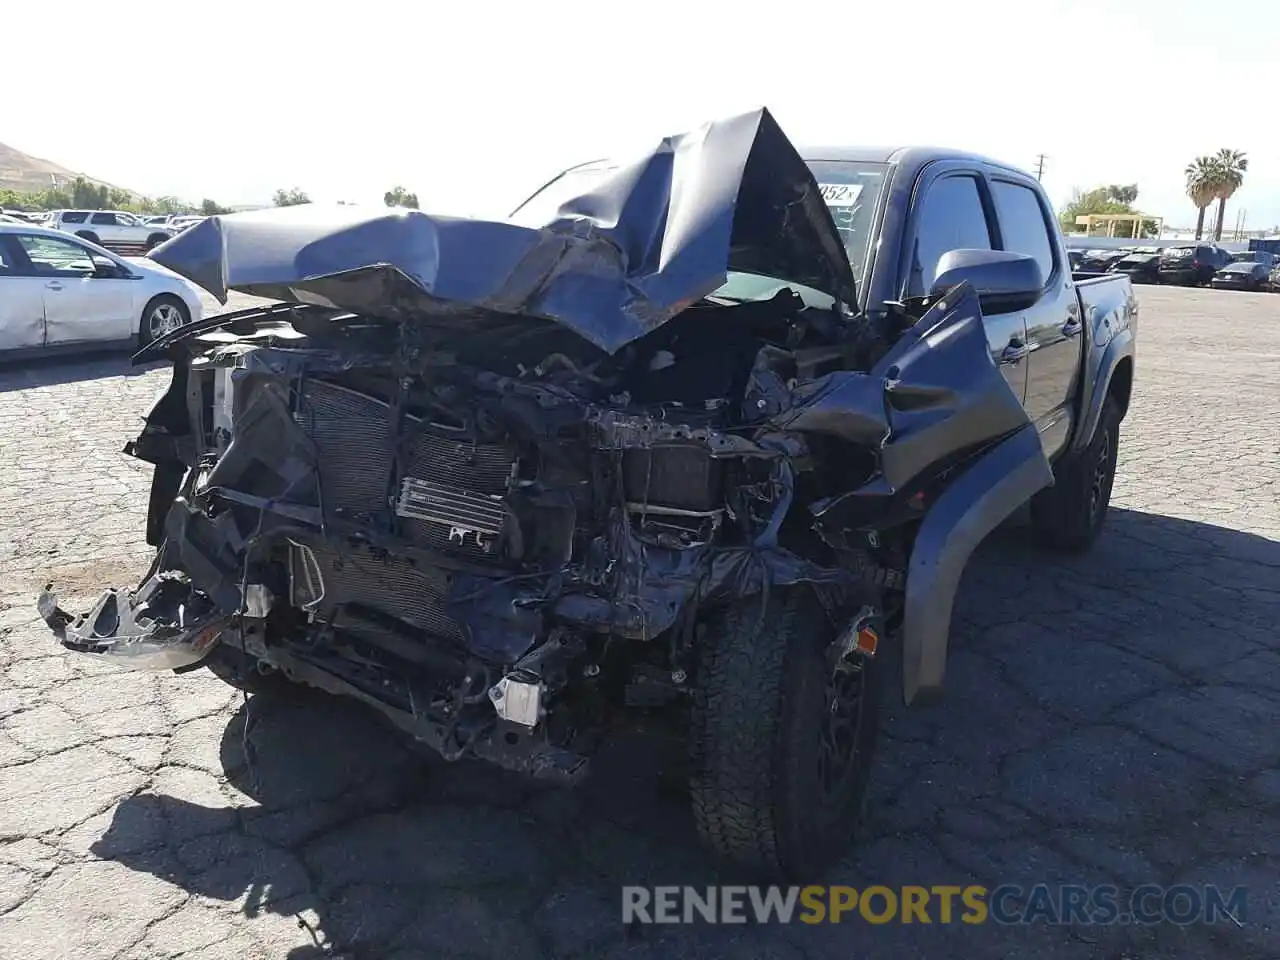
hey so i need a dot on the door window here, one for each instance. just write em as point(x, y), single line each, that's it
point(52, 257)
point(105, 219)
point(1023, 226)
point(74, 216)
point(951, 217)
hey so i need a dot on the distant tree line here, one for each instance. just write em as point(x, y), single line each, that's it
point(400, 197)
point(85, 194)
point(1210, 178)
point(290, 198)
point(1114, 198)
point(395, 197)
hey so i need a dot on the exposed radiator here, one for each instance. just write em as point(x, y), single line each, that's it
point(450, 496)
point(324, 580)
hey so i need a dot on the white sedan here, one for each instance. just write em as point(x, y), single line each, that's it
point(61, 291)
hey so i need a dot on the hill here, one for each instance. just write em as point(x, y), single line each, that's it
point(23, 172)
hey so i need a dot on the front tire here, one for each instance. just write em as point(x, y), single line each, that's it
point(162, 314)
point(1069, 515)
point(230, 665)
point(781, 742)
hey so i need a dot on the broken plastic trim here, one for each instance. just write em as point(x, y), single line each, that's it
point(163, 625)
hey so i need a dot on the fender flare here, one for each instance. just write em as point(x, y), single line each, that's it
point(1109, 340)
point(1120, 347)
point(986, 494)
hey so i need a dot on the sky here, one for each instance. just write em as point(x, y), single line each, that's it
point(474, 104)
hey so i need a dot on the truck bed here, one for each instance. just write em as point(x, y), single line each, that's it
point(1102, 293)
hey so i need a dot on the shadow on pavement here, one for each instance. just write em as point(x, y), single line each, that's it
point(1109, 719)
point(46, 371)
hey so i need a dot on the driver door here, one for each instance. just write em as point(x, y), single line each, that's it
point(952, 211)
point(79, 305)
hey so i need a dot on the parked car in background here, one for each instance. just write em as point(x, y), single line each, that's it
point(1099, 261)
point(1192, 264)
point(61, 291)
point(1273, 281)
point(1242, 275)
point(1255, 256)
point(178, 224)
point(5, 218)
point(1141, 266)
point(114, 229)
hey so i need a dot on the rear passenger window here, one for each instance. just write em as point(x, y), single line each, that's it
point(106, 218)
point(1022, 224)
point(74, 216)
point(951, 217)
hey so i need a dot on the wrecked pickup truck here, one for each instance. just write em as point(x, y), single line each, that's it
point(712, 433)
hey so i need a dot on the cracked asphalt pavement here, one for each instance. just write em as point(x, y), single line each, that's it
point(1109, 719)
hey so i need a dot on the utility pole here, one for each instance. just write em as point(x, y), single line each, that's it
point(1040, 158)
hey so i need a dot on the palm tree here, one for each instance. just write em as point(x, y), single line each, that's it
point(1120, 193)
point(1231, 165)
point(1202, 187)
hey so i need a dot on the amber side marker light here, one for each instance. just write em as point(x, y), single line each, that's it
point(867, 642)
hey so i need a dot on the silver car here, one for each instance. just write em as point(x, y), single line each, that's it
point(63, 291)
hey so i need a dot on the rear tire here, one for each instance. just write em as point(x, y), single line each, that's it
point(155, 240)
point(781, 743)
point(89, 235)
point(1069, 515)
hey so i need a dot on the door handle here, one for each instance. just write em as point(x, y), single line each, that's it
point(1071, 327)
point(1014, 351)
point(53, 285)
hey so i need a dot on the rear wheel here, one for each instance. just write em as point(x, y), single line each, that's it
point(1069, 515)
point(156, 239)
point(782, 740)
point(88, 235)
point(162, 314)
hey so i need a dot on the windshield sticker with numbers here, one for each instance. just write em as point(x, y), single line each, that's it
point(840, 194)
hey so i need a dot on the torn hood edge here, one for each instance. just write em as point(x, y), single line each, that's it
point(638, 242)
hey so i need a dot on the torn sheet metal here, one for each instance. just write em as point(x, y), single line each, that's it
point(612, 255)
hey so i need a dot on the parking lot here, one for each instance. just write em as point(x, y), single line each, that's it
point(1109, 719)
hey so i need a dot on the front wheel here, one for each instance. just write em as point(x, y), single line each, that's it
point(1069, 515)
point(162, 314)
point(782, 740)
point(236, 669)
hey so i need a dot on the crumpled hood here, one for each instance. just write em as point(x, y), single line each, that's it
point(618, 256)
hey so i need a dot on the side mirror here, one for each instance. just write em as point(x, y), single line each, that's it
point(1004, 281)
point(105, 268)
